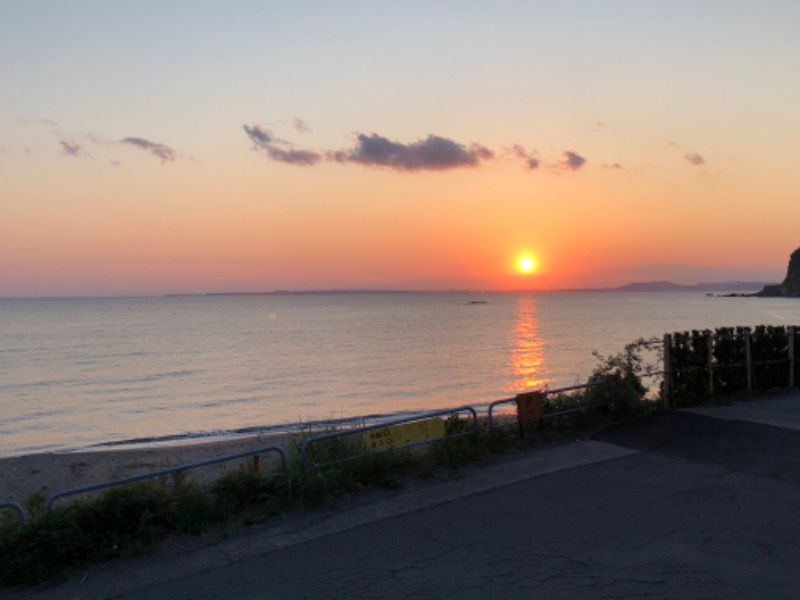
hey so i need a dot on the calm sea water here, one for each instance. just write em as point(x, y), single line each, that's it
point(76, 373)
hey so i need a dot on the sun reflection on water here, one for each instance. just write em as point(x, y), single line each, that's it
point(527, 356)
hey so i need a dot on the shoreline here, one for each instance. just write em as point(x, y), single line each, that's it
point(51, 472)
point(58, 470)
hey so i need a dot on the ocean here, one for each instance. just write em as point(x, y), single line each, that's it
point(79, 373)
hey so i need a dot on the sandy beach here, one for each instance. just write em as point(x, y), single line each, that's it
point(21, 476)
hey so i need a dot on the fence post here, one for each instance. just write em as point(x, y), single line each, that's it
point(790, 332)
point(711, 364)
point(749, 360)
point(667, 385)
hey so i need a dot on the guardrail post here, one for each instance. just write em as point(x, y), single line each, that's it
point(790, 335)
point(710, 364)
point(748, 360)
point(667, 385)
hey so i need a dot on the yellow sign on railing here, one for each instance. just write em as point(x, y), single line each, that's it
point(404, 434)
point(529, 407)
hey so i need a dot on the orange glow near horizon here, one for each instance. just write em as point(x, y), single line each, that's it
point(372, 189)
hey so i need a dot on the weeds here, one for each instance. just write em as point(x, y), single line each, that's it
point(132, 519)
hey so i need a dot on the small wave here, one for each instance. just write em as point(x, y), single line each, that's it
point(169, 375)
point(218, 434)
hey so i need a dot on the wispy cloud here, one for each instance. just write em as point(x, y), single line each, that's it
point(573, 161)
point(70, 148)
point(694, 158)
point(38, 121)
point(162, 151)
point(294, 156)
point(615, 165)
point(531, 162)
point(433, 153)
point(263, 139)
point(300, 124)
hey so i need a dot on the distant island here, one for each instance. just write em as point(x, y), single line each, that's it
point(737, 288)
point(790, 287)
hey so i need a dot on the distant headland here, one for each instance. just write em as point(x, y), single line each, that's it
point(668, 286)
point(790, 288)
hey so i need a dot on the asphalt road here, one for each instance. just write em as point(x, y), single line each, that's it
point(680, 505)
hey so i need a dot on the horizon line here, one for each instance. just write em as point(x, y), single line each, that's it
point(639, 286)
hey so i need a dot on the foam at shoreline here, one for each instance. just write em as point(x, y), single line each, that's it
point(21, 476)
point(50, 472)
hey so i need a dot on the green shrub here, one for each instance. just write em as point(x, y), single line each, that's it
point(621, 376)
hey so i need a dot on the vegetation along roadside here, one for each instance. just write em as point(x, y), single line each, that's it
point(133, 519)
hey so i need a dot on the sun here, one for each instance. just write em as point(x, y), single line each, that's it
point(527, 264)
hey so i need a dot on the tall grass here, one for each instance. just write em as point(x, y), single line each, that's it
point(132, 519)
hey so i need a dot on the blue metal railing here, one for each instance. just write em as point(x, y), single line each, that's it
point(545, 393)
point(308, 443)
point(159, 473)
point(16, 508)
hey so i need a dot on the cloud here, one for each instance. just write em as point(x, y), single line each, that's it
point(615, 165)
point(531, 162)
point(264, 140)
point(573, 161)
point(165, 153)
point(300, 125)
point(694, 158)
point(70, 149)
point(431, 153)
point(434, 153)
point(261, 138)
point(48, 122)
point(294, 156)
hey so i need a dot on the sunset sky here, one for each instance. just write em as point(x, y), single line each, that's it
point(194, 146)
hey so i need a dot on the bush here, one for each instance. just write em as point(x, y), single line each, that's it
point(621, 376)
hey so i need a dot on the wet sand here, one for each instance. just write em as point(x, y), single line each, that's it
point(21, 476)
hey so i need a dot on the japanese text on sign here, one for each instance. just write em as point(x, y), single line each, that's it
point(404, 434)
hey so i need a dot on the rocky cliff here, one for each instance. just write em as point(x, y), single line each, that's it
point(791, 284)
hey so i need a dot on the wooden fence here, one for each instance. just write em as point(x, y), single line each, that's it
point(701, 365)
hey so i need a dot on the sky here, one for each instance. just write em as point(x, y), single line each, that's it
point(191, 146)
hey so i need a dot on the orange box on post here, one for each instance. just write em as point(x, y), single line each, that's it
point(529, 407)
